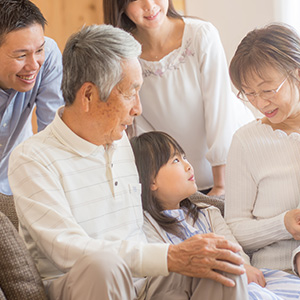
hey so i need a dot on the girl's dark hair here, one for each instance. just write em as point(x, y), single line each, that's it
point(152, 150)
point(114, 13)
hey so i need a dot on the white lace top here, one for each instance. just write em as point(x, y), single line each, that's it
point(188, 95)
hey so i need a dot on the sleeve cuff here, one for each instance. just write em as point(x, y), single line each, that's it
point(293, 263)
point(285, 233)
point(155, 261)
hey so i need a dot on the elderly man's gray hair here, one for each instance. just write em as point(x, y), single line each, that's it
point(94, 54)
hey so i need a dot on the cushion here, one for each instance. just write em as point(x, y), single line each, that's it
point(217, 201)
point(19, 278)
point(7, 206)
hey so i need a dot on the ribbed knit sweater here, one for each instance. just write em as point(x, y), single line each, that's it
point(262, 184)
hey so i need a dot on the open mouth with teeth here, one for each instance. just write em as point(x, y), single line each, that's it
point(29, 77)
point(153, 16)
point(271, 113)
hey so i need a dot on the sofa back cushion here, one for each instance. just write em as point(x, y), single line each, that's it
point(7, 207)
point(19, 278)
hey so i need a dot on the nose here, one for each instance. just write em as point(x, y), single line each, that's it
point(149, 5)
point(188, 166)
point(260, 103)
point(137, 107)
point(32, 63)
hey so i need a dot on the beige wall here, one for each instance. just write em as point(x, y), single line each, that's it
point(234, 18)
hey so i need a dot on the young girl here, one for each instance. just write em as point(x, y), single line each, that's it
point(167, 180)
point(185, 77)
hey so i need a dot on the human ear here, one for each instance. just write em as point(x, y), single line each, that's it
point(88, 91)
point(153, 186)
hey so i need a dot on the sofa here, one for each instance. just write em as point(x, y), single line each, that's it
point(19, 278)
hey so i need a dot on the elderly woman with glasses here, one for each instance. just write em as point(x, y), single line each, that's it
point(263, 166)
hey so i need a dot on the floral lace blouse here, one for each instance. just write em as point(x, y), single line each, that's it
point(188, 95)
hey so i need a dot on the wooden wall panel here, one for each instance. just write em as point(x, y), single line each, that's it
point(67, 16)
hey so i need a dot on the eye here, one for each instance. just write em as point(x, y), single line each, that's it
point(131, 97)
point(249, 94)
point(40, 50)
point(21, 56)
point(175, 160)
point(267, 92)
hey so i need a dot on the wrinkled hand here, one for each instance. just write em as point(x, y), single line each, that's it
point(255, 275)
point(292, 223)
point(202, 255)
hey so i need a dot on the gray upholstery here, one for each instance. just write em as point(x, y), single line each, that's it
point(7, 207)
point(19, 278)
point(217, 201)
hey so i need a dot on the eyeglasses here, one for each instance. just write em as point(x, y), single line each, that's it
point(266, 95)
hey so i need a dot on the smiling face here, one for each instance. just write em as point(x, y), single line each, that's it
point(284, 106)
point(21, 57)
point(174, 182)
point(147, 14)
point(112, 117)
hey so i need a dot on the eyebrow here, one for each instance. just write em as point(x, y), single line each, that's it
point(26, 50)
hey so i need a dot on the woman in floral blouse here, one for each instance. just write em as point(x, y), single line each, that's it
point(186, 90)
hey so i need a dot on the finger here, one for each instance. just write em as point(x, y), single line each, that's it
point(223, 279)
point(211, 235)
point(225, 244)
point(229, 267)
point(229, 256)
point(262, 282)
point(212, 257)
point(261, 279)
